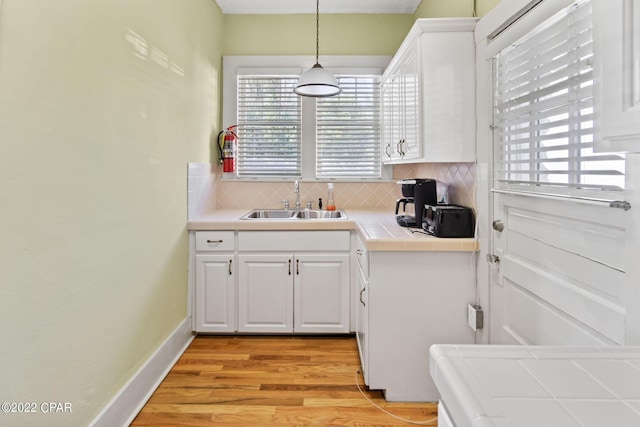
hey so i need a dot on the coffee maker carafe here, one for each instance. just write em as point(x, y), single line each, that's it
point(418, 192)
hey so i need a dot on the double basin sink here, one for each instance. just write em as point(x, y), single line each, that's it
point(293, 214)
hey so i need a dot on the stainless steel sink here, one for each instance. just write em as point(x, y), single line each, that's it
point(270, 214)
point(320, 214)
point(293, 214)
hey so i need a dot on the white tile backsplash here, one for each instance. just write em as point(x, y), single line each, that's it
point(201, 183)
point(207, 191)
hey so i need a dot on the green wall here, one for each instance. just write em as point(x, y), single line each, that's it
point(451, 8)
point(370, 34)
point(102, 104)
point(362, 34)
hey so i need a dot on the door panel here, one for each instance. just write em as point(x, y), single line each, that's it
point(265, 293)
point(560, 274)
point(215, 294)
point(321, 293)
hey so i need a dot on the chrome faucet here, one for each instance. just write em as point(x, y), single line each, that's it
point(296, 189)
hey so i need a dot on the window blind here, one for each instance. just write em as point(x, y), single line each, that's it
point(543, 115)
point(269, 126)
point(348, 130)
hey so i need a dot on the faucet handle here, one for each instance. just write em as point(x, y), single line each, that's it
point(310, 204)
point(286, 203)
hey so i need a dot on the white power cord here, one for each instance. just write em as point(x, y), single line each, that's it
point(429, 421)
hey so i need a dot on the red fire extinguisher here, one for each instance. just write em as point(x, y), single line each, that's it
point(227, 140)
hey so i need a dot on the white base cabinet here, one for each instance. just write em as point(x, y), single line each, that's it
point(284, 293)
point(410, 301)
point(214, 303)
point(303, 290)
point(270, 281)
point(362, 315)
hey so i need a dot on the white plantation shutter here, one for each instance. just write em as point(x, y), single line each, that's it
point(348, 130)
point(543, 116)
point(269, 126)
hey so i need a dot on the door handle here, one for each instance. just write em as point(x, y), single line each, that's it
point(297, 267)
point(361, 291)
point(289, 267)
point(230, 267)
point(498, 225)
point(493, 259)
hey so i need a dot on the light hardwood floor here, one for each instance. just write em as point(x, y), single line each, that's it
point(271, 381)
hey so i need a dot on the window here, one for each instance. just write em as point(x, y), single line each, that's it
point(284, 136)
point(543, 115)
point(269, 126)
point(348, 130)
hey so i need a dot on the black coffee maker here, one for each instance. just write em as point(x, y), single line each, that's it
point(419, 192)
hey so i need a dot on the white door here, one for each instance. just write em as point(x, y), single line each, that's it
point(321, 293)
point(265, 293)
point(215, 293)
point(558, 248)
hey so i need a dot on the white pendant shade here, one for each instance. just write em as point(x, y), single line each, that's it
point(317, 82)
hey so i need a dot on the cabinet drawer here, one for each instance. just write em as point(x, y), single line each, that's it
point(294, 241)
point(214, 241)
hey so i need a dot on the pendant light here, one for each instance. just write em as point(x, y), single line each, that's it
point(317, 82)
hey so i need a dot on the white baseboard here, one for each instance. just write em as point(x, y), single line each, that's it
point(126, 404)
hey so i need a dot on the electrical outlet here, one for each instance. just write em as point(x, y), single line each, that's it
point(475, 316)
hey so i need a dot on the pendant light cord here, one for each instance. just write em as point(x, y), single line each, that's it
point(317, 31)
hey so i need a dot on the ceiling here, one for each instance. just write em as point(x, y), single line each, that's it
point(309, 6)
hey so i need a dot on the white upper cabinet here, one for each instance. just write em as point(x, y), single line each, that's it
point(616, 29)
point(428, 94)
point(400, 109)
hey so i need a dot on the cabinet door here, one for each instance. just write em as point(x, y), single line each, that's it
point(411, 146)
point(321, 293)
point(362, 323)
point(448, 96)
point(392, 116)
point(265, 293)
point(215, 309)
point(616, 47)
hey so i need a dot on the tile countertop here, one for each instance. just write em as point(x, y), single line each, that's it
point(527, 386)
point(378, 230)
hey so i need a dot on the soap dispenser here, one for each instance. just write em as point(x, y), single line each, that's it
point(331, 206)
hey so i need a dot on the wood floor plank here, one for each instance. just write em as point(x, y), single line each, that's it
point(272, 381)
